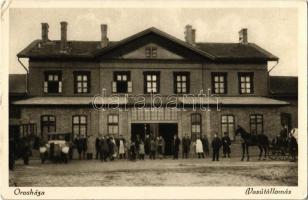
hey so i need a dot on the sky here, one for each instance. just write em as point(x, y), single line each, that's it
point(274, 29)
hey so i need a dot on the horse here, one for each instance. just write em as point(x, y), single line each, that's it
point(248, 139)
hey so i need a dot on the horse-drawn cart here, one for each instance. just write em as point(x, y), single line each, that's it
point(279, 151)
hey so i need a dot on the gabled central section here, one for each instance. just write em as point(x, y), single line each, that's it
point(151, 44)
point(152, 51)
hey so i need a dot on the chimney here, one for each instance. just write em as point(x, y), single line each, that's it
point(45, 28)
point(104, 40)
point(190, 35)
point(63, 36)
point(243, 36)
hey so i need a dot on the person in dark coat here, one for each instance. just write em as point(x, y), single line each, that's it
point(216, 144)
point(78, 145)
point(186, 146)
point(104, 149)
point(26, 150)
point(12, 147)
point(226, 143)
point(97, 147)
point(133, 151)
point(112, 148)
point(205, 144)
point(147, 144)
point(293, 146)
point(176, 146)
point(84, 143)
point(152, 148)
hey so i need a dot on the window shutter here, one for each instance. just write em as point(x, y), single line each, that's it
point(129, 87)
point(114, 86)
point(60, 86)
point(45, 86)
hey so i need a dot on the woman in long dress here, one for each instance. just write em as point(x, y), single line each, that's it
point(121, 148)
point(199, 148)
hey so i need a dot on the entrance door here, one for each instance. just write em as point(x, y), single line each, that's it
point(167, 131)
point(141, 130)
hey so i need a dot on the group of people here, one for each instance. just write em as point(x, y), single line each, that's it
point(201, 146)
point(108, 148)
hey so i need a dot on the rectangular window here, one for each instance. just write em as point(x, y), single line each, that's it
point(121, 82)
point(195, 126)
point(151, 82)
point(181, 82)
point(53, 82)
point(48, 124)
point(79, 125)
point(227, 126)
point(256, 124)
point(113, 124)
point(151, 52)
point(245, 80)
point(82, 81)
point(219, 82)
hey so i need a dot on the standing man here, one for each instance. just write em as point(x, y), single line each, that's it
point(226, 143)
point(293, 147)
point(97, 146)
point(205, 144)
point(104, 149)
point(185, 146)
point(216, 144)
point(147, 144)
point(176, 145)
point(84, 145)
point(152, 148)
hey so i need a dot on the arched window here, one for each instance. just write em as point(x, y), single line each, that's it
point(195, 126)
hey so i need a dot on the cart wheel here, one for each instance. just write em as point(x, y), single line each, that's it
point(273, 154)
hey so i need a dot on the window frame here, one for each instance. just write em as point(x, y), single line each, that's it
point(175, 82)
point(225, 83)
point(194, 134)
point(246, 74)
point(79, 124)
point(82, 73)
point(113, 123)
point(256, 122)
point(145, 74)
point(43, 123)
point(46, 85)
point(128, 82)
point(227, 123)
point(149, 52)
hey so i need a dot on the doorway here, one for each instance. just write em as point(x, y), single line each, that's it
point(166, 130)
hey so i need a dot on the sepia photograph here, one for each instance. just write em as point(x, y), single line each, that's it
point(162, 96)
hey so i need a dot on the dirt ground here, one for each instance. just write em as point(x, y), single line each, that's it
point(165, 172)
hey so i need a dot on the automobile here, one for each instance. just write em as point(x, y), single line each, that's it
point(57, 148)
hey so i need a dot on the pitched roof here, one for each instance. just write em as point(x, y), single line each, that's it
point(283, 86)
point(91, 49)
point(17, 84)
